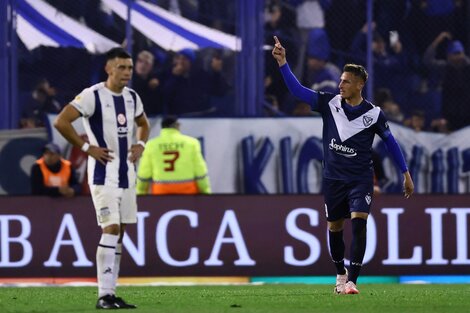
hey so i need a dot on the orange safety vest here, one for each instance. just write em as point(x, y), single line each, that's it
point(58, 179)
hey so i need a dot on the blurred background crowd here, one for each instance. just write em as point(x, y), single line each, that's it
point(419, 55)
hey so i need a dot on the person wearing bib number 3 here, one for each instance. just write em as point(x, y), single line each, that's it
point(350, 124)
point(110, 111)
point(172, 163)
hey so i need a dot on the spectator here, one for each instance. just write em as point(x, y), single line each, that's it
point(173, 162)
point(392, 111)
point(187, 88)
point(383, 98)
point(41, 103)
point(417, 121)
point(321, 75)
point(439, 125)
point(453, 73)
point(52, 175)
point(427, 18)
point(310, 15)
point(280, 23)
point(147, 84)
point(393, 63)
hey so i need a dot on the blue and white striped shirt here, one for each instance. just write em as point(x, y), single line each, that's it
point(108, 118)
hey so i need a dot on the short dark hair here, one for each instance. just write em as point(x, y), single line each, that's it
point(356, 70)
point(169, 121)
point(117, 52)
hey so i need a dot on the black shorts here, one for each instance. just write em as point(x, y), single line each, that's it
point(344, 197)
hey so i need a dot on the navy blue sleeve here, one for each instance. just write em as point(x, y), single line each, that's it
point(307, 95)
point(381, 127)
point(395, 150)
point(383, 130)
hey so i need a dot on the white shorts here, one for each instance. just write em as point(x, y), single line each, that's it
point(114, 205)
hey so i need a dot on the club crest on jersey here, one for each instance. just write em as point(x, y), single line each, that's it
point(367, 120)
point(368, 198)
point(121, 118)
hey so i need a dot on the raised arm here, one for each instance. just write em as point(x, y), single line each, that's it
point(307, 95)
point(429, 57)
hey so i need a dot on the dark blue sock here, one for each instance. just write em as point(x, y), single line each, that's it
point(337, 250)
point(358, 247)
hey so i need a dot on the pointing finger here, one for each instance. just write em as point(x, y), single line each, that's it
point(276, 40)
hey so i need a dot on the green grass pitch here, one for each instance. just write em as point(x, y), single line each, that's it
point(245, 299)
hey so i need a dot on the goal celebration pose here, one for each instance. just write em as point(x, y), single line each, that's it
point(350, 123)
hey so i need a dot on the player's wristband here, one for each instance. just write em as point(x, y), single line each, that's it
point(141, 142)
point(85, 147)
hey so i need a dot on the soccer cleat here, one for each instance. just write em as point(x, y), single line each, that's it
point(341, 281)
point(123, 304)
point(350, 288)
point(107, 302)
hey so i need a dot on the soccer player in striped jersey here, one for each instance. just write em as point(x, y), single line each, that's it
point(110, 111)
point(349, 126)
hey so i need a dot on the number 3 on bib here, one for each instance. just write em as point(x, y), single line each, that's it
point(170, 158)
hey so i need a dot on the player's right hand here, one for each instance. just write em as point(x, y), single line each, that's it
point(279, 53)
point(101, 155)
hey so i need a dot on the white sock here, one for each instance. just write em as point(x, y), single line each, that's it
point(117, 264)
point(105, 255)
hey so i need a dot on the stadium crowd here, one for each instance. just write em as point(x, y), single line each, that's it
point(418, 46)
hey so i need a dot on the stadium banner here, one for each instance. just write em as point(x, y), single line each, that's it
point(41, 24)
point(171, 31)
point(284, 155)
point(226, 235)
point(274, 156)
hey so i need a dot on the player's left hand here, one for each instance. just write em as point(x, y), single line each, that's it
point(279, 52)
point(135, 152)
point(408, 185)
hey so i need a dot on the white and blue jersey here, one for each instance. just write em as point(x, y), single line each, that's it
point(348, 134)
point(108, 119)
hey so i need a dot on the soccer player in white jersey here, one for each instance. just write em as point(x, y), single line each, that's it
point(110, 111)
point(350, 123)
